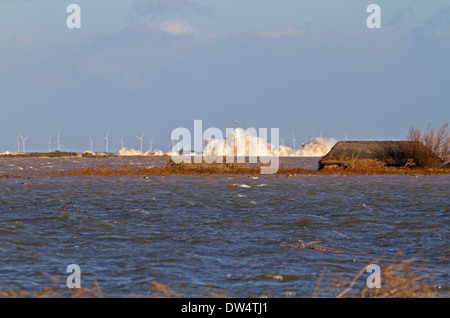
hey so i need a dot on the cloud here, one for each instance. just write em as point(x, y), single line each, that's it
point(289, 31)
point(138, 78)
point(174, 27)
point(153, 8)
point(24, 41)
point(436, 27)
point(399, 17)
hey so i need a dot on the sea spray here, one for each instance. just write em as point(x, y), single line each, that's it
point(134, 152)
point(316, 147)
point(237, 145)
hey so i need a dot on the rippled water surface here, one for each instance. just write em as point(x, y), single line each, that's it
point(221, 233)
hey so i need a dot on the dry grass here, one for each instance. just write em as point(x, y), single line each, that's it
point(156, 290)
point(399, 279)
point(7, 176)
point(311, 246)
point(408, 278)
point(56, 291)
point(362, 167)
point(211, 168)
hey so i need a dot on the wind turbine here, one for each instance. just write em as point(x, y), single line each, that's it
point(107, 140)
point(293, 139)
point(234, 141)
point(18, 144)
point(58, 142)
point(172, 145)
point(140, 139)
point(49, 143)
point(23, 142)
point(121, 143)
point(150, 141)
point(91, 142)
point(306, 141)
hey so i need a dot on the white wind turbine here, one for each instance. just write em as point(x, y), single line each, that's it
point(49, 143)
point(150, 141)
point(306, 142)
point(140, 140)
point(121, 142)
point(172, 145)
point(91, 143)
point(23, 142)
point(293, 139)
point(18, 144)
point(107, 140)
point(58, 142)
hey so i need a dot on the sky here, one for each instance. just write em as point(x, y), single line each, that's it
point(150, 66)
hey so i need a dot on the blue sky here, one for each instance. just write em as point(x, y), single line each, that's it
point(149, 66)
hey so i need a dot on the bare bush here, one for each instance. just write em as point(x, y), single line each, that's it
point(438, 140)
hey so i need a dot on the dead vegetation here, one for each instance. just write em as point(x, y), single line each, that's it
point(408, 278)
point(437, 140)
point(56, 291)
point(400, 278)
point(156, 290)
point(211, 168)
point(360, 167)
point(312, 246)
point(7, 176)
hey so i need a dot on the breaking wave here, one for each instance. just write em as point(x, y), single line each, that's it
point(124, 151)
point(241, 143)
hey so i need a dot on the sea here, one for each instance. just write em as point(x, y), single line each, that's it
point(204, 235)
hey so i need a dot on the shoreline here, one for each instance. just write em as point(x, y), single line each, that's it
point(164, 171)
point(171, 168)
point(78, 156)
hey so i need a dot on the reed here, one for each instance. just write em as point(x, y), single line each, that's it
point(400, 278)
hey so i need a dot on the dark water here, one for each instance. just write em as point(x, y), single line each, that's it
point(212, 233)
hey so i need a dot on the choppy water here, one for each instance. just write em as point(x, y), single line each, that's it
point(219, 233)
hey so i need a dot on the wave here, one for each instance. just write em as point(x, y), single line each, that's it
point(133, 152)
point(242, 143)
point(9, 153)
point(257, 146)
point(240, 185)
